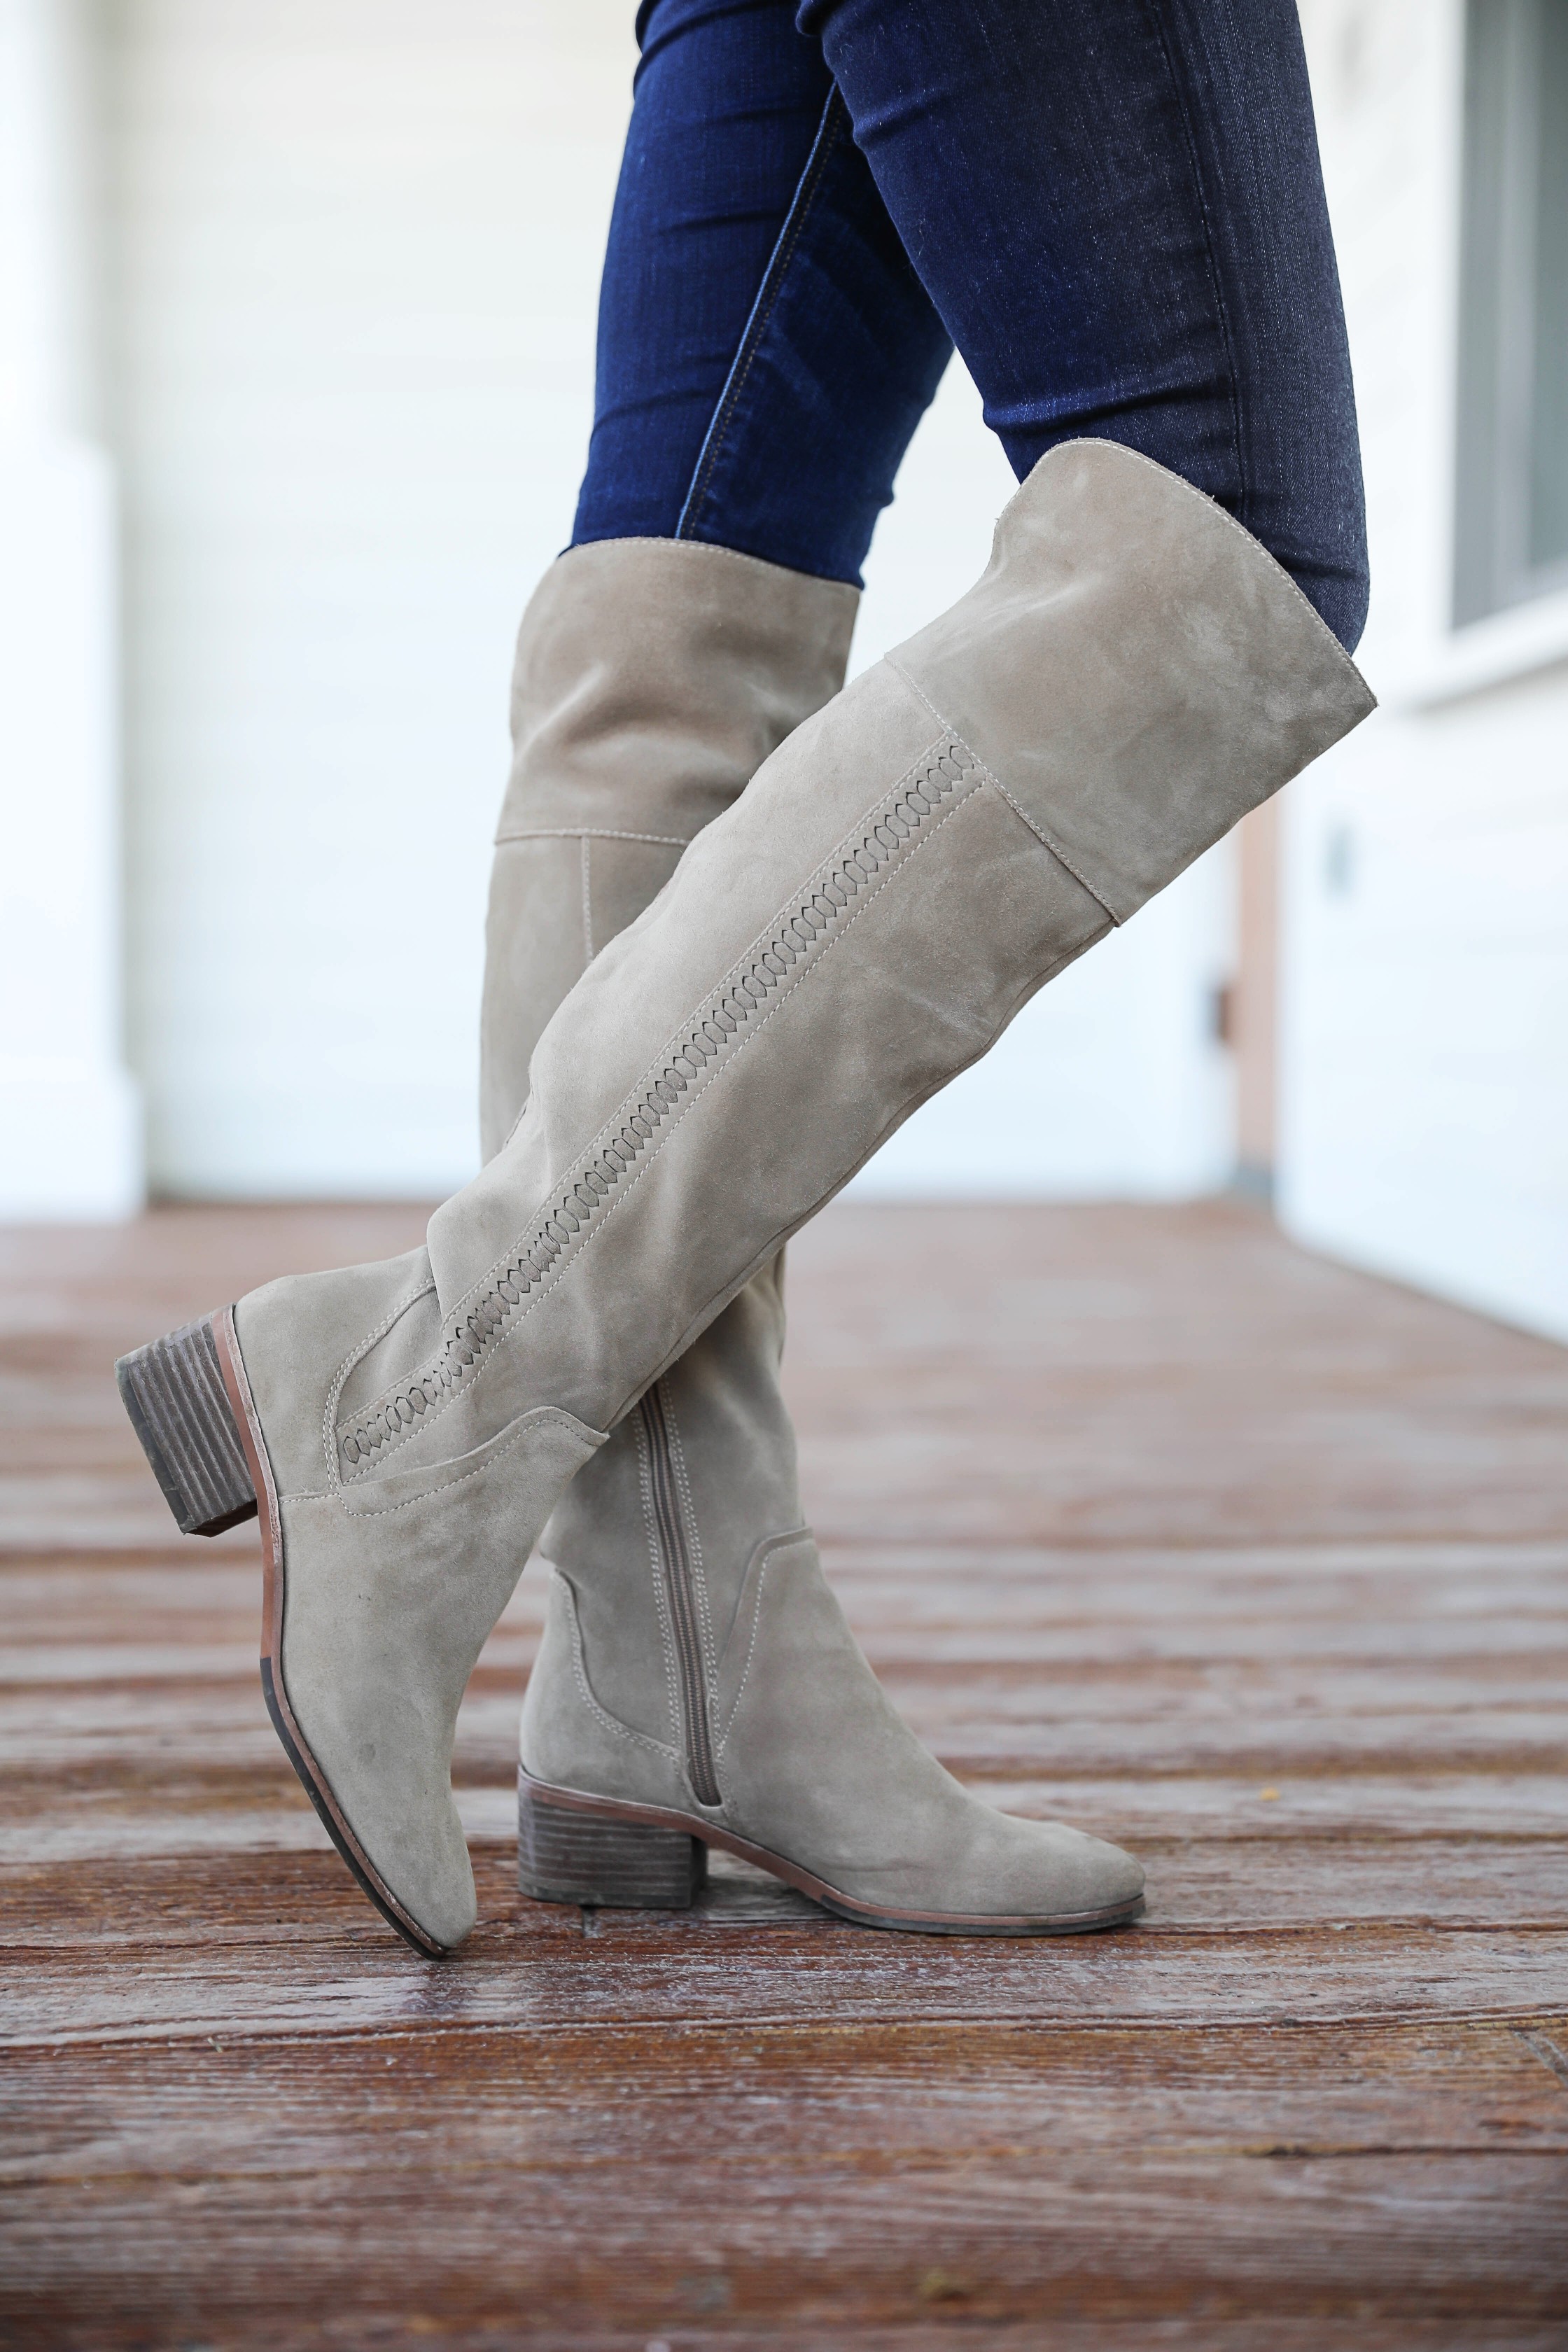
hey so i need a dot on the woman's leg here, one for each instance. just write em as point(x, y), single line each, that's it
point(1117, 208)
point(765, 349)
point(1114, 206)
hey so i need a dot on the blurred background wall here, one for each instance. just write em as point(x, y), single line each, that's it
point(1425, 1039)
point(303, 292)
point(71, 1141)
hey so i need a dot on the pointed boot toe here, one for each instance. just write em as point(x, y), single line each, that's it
point(809, 1772)
point(821, 1768)
point(368, 1725)
point(1048, 1871)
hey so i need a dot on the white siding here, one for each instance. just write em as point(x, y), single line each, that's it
point(69, 1123)
point(358, 267)
point(1426, 1042)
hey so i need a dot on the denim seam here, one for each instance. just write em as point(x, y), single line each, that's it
point(802, 206)
point(1156, 16)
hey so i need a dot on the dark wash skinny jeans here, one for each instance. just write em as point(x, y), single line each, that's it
point(1113, 208)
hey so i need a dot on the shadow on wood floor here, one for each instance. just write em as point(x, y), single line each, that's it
point(1146, 1518)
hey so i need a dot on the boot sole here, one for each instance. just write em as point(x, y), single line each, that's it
point(570, 1845)
point(190, 1403)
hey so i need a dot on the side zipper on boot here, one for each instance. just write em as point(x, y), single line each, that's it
point(681, 1586)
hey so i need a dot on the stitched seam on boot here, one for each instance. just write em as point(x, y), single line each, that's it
point(775, 1544)
point(559, 1272)
point(611, 1722)
point(367, 1510)
point(355, 1356)
point(723, 1740)
point(660, 1597)
point(1041, 835)
point(466, 1339)
point(779, 1238)
point(800, 934)
point(556, 1271)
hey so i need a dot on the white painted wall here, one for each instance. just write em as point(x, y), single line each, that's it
point(358, 270)
point(69, 1122)
point(358, 255)
point(1424, 1063)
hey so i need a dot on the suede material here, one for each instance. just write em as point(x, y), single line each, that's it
point(603, 1537)
point(816, 1763)
point(1055, 663)
point(388, 1601)
point(857, 1034)
point(728, 888)
point(602, 1711)
point(299, 1335)
point(727, 654)
point(734, 1464)
point(555, 899)
point(734, 1448)
point(812, 1760)
point(852, 932)
point(397, 1351)
point(652, 679)
point(569, 1738)
point(961, 925)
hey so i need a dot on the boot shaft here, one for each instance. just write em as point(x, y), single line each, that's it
point(652, 680)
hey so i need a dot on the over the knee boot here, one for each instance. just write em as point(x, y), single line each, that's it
point(653, 677)
point(1132, 674)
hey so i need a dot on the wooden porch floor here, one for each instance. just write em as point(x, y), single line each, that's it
point(1146, 1518)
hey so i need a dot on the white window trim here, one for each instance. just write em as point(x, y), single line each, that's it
point(1513, 643)
point(1428, 666)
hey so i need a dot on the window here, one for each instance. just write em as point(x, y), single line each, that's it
point(1511, 537)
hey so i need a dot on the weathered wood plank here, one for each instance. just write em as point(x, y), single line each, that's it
point(1146, 1519)
point(991, 2237)
point(324, 1970)
point(85, 1877)
point(1217, 2091)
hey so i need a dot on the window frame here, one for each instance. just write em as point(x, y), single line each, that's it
point(1494, 570)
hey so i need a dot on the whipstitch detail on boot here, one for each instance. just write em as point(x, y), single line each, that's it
point(808, 923)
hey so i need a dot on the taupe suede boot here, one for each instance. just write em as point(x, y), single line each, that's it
point(1132, 674)
point(653, 677)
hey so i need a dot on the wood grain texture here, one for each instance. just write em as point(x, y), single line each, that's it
point(1146, 1519)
